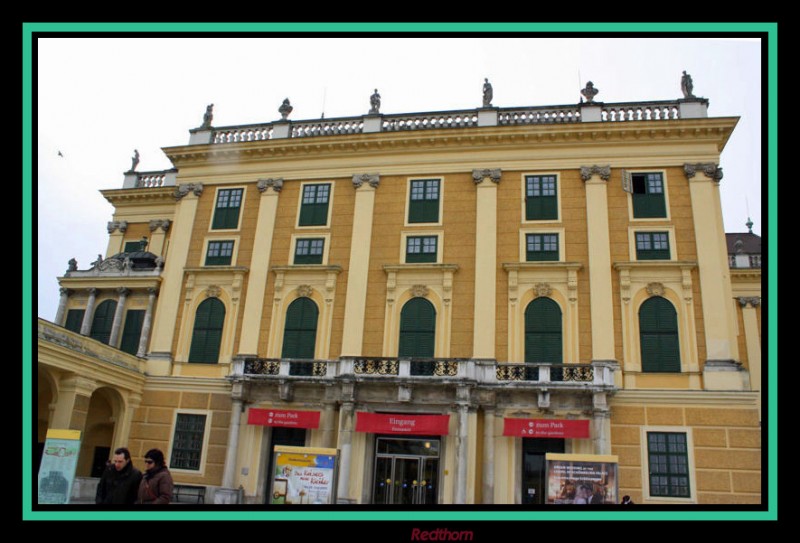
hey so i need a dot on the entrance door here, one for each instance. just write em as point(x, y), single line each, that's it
point(101, 457)
point(406, 471)
point(534, 466)
point(290, 437)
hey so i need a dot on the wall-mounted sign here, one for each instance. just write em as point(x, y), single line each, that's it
point(283, 417)
point(303, 475)
point(57, 470)
point(402, 423)
point(552, 428)
point(582, 479)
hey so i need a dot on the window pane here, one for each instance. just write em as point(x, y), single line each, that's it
point(668, 464)
point(188, 441)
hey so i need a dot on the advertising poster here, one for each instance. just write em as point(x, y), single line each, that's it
point(304, 475)
point(57, 470)
point(582, 479)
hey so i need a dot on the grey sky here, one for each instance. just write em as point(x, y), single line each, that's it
point(98, 99)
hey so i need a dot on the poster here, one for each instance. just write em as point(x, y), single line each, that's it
point(303, 475)
point(582, 479)
point(57, 470)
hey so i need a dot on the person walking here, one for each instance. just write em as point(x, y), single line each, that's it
point(156, 485)
point(119, 484)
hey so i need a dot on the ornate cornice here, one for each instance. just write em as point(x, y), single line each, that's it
point(603, 171)
point(122, 226)
point(493, 174)
point(185, 188)
point(711, 170)
point(752, 301)
point(373, 179)
point(276, 184)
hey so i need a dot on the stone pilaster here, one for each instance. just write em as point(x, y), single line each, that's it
point(753, 342)
point(144, 338)
point(487, 488)
point(72, 406)
point(86, 325)
point(484, 316)
point(346, 428)
point(158, 235)
point(61, 313)
point(116, 326)
point(116, 231)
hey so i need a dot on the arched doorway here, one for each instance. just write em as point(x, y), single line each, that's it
point(98, 434)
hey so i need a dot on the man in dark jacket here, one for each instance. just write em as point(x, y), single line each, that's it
point(119, 484)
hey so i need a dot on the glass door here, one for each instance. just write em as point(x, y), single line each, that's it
point(534, 466)
point(406, 471)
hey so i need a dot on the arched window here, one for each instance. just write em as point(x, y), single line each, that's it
point(417, 329)
point(300, 330)
point(658, 333)
point(207, 334)
point(103, 320)
point(543, 332)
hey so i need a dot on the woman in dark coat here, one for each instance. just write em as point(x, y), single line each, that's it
point(119, 484)
point(156, 485)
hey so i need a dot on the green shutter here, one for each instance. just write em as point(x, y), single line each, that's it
point(417, 329)
point(424, 201)
point(132, 331)
point(103, 320)
point(543, 337)
point(207, 333)
point(309, 251)
point(314, 205)
point(538, 205)
point(226, 213)
point(658, 334)
point(300, 330)
point(74, 320)
point(647, 204)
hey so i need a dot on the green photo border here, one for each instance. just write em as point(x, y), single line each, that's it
point(468, 513)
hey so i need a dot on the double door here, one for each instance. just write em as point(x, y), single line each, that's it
point(406, 472)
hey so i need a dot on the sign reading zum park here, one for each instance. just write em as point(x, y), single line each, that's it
point(552, 428)
point(283, 417)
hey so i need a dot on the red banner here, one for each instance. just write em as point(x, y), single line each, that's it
point(407, 424)
point(283, 417)
point(555, 428)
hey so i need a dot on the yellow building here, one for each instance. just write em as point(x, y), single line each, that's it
point(443, 297)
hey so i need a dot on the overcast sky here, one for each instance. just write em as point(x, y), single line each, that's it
point(100, 98)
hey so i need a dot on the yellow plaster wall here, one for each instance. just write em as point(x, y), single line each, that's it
point(135, 231)
point(339, 254)
point(509, 221)
point(726, 453)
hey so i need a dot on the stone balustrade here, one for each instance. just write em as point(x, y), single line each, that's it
point(643, 111)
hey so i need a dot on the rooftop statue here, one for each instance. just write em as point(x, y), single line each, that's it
point(375, 102)
point(208, 116)
point(72, 265)
point(488, 93)
point(285, 109)
point(134, 160)
point(687, 86)
point(589, 92)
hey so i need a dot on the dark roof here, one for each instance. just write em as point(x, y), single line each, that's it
point(744, 243)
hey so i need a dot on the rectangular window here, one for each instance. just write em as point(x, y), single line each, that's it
point(421, 248)
point(652, 246)
point(314, 205)
point(187, 445)
point(220, 253)
point(424, 204)
point(133, 246)
point(74, 320)
point(309, 251)
point(226, 214)
point(541, 198)
point(541, 247)
point(668, 461)
point(648, 196)
point(132, 331)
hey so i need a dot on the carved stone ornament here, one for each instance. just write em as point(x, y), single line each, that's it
point(589, 92)
point(213, 291)
point(710, 169)
point(285, 109)
point(184, 189)
point(655, 289)
point(155, 224)
point(304, 291)
point(479, 175)
point(603, 171)
point(542, 289)
point(753, 301)
point(111, 264)
point(372, 178)
point(276, 184)
point(117, 225)
point(419, 291)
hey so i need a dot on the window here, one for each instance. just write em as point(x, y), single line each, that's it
point(220, 253)
point(658, 331)
point(300, 330)
point(424, 204)
point(187, 445)
point(226, 214)
point(74, 320)
point(541, 199)
point(648, 196)
point(540, 247)
point(543, 332)
point(314, 205)
point(207, 332)
point(103, 320)
point(421, 248)
point(132, 331)
point(417, 329)
point(309, 251)
point(134, 246)
point(668, 461)
point(652, 246)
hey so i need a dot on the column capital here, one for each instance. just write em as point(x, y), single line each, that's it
point(185, 188)
point(752, 301)
point(164, 224)
point(117, 225)
point(603, 171)
point(711, 170)
point(64, 291)
point(152, 291)
point(264, 184)
point(92, 291)
point(373, 179)
point(478, 175)
point(122, 291)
